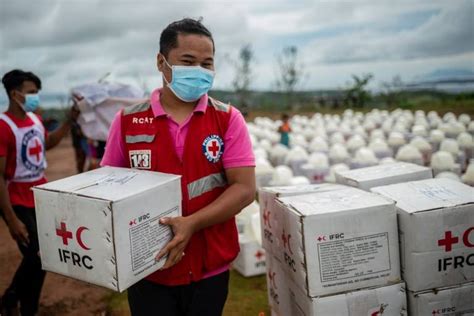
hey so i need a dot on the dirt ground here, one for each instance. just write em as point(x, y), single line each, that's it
point(61, 295)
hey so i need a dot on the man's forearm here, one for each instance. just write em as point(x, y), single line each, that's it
point(5, 204)
point(55, 137)
point(228, 204)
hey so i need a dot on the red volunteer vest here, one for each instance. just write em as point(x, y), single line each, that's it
point(150, 146)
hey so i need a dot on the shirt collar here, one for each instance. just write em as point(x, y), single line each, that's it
point(158, 110)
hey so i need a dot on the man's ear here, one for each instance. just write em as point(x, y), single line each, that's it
point(160, 62)
point(15, 95)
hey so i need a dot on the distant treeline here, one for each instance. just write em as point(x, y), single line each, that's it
point(334, 101)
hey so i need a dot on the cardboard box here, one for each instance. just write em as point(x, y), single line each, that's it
point(436, 227)
point(251, 259)
point(277, 287)
point(367, 178)
point(103, 226)
point(286, 298)
point(267, 200)
point(337, 241)
point(450, 301)
point(385, 300)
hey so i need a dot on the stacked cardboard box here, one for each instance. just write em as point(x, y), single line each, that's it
point(328, 248)
point(367, 178)
point(103, 226)
point(436, 227)
point(455, 300)
point(251, 259)
point(287, 298)
point(268, 203)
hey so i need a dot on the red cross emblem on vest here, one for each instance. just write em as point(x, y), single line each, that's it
point(36, 150)
point(212, 148)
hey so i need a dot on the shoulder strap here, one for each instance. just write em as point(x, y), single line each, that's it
point(10, 123)
point(218, 105)
point(136, 108)
point(34, 118)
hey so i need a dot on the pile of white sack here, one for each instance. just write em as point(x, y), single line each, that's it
point(322, 144)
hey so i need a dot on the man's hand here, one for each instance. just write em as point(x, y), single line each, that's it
point(183, 229)
point(73, 113)
point(18, 231)
point(55, 136)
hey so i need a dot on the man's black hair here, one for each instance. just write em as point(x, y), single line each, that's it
point(169, 36)
point(14, 79)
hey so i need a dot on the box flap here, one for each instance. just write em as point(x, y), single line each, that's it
point(301, 189)
point(333, 201)
point(109, 183)
point(427, 194)
point(381, 171)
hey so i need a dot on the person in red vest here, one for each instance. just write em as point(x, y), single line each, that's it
point(182, 130)
point(23, 142)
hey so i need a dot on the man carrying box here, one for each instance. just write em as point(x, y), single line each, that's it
point(23, 143)
point(217, 168)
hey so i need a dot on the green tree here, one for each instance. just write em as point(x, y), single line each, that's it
point(392, 92)
point(243, 75)
point(357, 94)
point(290, 72)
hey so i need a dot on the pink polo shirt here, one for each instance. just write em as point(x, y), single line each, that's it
point(238, 147)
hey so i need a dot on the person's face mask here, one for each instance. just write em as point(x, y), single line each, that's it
point(31, 103)
point(189, 83)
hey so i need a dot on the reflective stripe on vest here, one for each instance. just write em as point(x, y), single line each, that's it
point(218, 105)
point(206, 184)
point(136, 108)
point(132, 139)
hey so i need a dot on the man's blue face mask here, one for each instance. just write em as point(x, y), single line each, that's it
point(32, 101)
point(189, 83)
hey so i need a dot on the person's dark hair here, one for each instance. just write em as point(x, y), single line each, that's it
point(285, 116)
point(14, 80)
point(169, 36)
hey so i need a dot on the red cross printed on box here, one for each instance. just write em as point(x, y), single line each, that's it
point(448, 241)
point(286, 241)
point(266, 218)
point(259, 255)
point(271, 276)
point(64, 233)
point(37, 150)
point(318, 177)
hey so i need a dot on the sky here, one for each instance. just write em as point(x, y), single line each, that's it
point(71, 42)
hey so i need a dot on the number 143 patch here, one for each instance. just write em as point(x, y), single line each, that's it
point(140, 159)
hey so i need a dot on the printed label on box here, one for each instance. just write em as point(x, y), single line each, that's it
point(355, 257)
point(147, 238)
